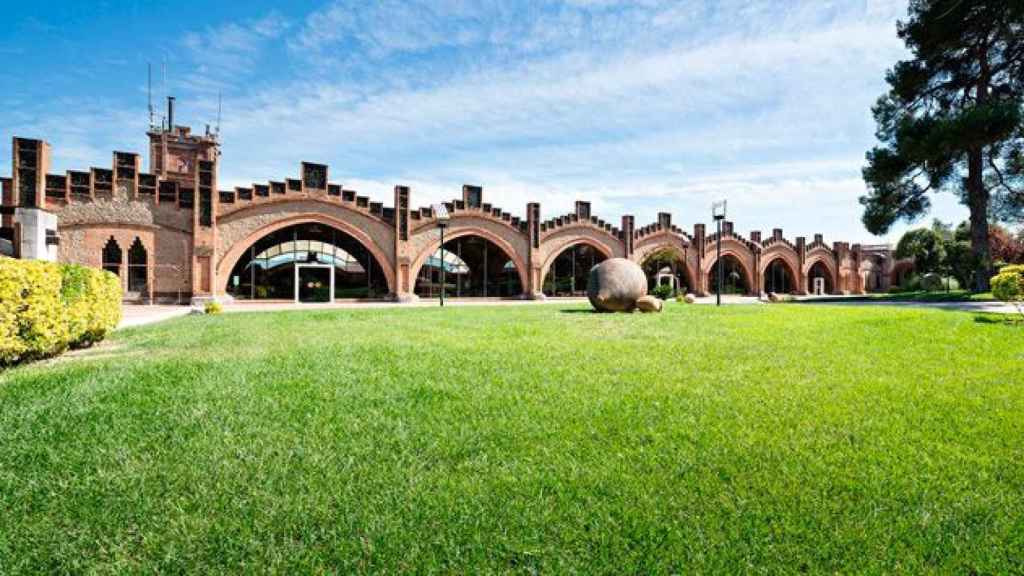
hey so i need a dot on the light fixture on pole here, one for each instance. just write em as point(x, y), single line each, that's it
point(441, 213)
point(718, 213)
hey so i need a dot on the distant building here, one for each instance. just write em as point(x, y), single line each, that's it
point(171, 234)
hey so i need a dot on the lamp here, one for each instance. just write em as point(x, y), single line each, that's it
point(443, 217)
point(718, 213)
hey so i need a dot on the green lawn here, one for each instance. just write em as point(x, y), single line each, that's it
point(526, 439)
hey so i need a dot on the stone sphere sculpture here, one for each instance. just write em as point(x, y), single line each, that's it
point(615, 285)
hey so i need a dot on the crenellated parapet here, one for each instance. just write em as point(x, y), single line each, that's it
point(470, 205)
point(312, 184)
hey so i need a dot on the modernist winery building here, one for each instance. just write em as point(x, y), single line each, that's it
point(172, 234)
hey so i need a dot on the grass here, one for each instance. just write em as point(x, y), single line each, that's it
point(527, 439)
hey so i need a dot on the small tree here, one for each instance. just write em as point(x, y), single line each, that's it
point(959, 261)
point(1004, 246)
point(924, 246)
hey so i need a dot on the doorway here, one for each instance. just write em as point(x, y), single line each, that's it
point(314, 283)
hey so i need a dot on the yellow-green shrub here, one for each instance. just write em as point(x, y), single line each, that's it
point(1008, 286)
point(46, 307)
point(92, 300)
point(33, 315)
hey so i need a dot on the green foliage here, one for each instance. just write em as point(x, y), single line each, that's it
point(959, 261)
point(662, 291)
point(931, 282)
point(46, 308)
point(213, 307)
point(924, 246)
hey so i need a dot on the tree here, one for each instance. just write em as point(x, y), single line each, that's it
point(1006, 249)
point(952, 119)
point(959, 262)
point(924, 246)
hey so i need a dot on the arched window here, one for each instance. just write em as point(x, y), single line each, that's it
point(735, 279)
point(112, 257)
point(570, 271)
point(316, 256)
point(137, 264)
point(819, 270)
point(666, 267)
point(473, 267)
point(778, 278)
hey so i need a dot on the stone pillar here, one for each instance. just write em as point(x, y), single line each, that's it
point(205, 284)
point(755, 236)
point(839, 250)
point(801, 257)
point(758, 287)
point(628, 235)
point(405, 285)
point(535, 291)
point(858, 278)
point(698, 272)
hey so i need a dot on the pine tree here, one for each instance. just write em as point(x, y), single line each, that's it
point(952, 119)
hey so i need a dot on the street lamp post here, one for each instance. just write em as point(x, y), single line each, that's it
point(441, 211)
point(718, 213)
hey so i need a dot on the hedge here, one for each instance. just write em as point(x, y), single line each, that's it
point(46, 308)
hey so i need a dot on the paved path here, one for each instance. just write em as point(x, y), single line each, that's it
point(140, 315)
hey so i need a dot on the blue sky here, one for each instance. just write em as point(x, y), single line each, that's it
point(637, 106)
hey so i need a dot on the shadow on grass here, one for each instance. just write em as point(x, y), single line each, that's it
point(1006, 319)
point(579, 311)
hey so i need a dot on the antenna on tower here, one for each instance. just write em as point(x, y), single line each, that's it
point(149, 91)
point(163, 68)
point(217, 129)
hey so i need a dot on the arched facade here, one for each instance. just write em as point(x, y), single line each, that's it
point(672, 242)
point(426, 240)
point(779, 262)
point(193, 234)
point(738, 250)
point(243, 228)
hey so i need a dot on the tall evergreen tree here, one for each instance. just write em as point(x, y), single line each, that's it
point(952, 119)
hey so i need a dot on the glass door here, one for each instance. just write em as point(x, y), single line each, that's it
point(314, 283)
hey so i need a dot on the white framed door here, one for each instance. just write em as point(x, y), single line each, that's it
point(314, 283)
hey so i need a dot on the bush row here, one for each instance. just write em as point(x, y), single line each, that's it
point(46, 308)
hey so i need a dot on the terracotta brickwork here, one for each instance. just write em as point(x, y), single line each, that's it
point(194, 234)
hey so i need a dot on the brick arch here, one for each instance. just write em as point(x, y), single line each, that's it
point(827, 259)
point(735, 248)
point(556, 251)
point(790, 260)
point(429, 241)
point(553, 243)
point(237, 249)
point(641, 255)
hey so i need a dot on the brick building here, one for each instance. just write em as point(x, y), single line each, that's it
point(171, 234)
